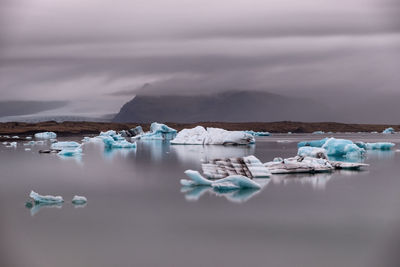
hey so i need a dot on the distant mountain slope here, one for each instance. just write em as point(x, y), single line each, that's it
point(232, 106)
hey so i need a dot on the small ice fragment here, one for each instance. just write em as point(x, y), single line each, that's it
point(253, 133)
point(318, 132)
point(27, 149)
point(15, 137)
point(12, 144)
point(70, 152)
point(389, 130)
point(45, 199)
point(65, 144)
point(79, 200)
point(45, 135)
point(28, 137)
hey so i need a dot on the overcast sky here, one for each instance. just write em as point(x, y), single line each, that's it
point(96, 53)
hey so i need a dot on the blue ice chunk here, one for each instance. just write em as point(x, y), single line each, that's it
point(45, 199)
point(342, 148)
point(318, 132)
point(45, 135)
point(375, 146)
point(71, 152)
point(116, 142)
point(159, 131)
point(313, 143)
point(389, 130)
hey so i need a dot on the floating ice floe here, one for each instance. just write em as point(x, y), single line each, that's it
point(375, 146)
point(298, 164)
point(45, 135)
point(32, 143)
point(65, 144)
point(158, 131)
point(28, 137)
point(389, 130)
point(79, 200)
point(212, 136)
point(70, 152)
point(318, 132)
point(113, 140)
point(336, 147)
point(342, 148)
point(231, 182)
point(313, 143)
point(249, 166)
point(45, 199)
point(11, 144)
point(253, 133)
point(27, 149)
point(15, 137)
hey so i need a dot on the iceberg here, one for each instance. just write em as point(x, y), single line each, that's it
point(231, 182)
point(70, 152)
point(249, 166)
point(375, 146)
point(253, 133)
point(389, 130)
point(45, 199)
point(313, 143)
point(158, 131)
point(113, 140)
point(45, 135)
point(79, 200)
point(314, 152)
point(15, 137)
point(212, 136)
point(298, 164)
point(342, 148)
point(65, 144)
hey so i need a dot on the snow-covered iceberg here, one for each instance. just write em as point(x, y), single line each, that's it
point(253, 133)
point(79, 200)
point(375, 146)
point(212, 136)
point(45, 199)
point(389, 130)
point(45, 135)
point(232, 182)
point(249, 166)
point(65, 144)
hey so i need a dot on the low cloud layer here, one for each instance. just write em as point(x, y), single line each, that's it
point(98, 54)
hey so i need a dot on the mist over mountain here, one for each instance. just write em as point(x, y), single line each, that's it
point(230, 106)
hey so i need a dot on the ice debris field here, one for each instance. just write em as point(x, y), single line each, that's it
point(222, 175)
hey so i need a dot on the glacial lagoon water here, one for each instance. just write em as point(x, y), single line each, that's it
point(138, 214)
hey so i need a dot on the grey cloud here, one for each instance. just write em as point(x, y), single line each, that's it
point(13, 108)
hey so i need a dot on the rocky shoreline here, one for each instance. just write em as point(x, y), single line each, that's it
point(78, 128)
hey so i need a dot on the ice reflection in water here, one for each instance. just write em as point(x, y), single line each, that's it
point(316, 181)
point(236, 196)
point(196, 153)
point(36, 207)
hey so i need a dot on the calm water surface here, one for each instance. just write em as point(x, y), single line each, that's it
point(138, 215)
